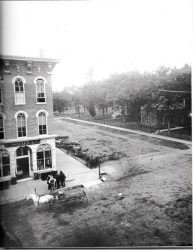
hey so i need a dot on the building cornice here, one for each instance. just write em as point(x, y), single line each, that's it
point(42, 137)
point(28, 59)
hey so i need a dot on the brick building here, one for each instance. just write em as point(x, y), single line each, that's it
point(27, 140)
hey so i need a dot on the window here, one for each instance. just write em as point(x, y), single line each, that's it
point(42, 123)
point(41, 96)
point(21, 125)
point(44, 157)
point(1, 127)
point(19, 91)
point(4, 163)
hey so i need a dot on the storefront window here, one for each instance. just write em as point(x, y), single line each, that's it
point(44, 157)
point(4, 163)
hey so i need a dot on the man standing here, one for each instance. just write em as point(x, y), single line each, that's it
point(57, 180)
point(48, 178)
point(62, 178)
point(52, 183)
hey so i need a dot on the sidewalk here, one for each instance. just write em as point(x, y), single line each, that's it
point(76, 174)
point(162, 137)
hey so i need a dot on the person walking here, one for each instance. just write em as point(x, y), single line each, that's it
point(62, 178)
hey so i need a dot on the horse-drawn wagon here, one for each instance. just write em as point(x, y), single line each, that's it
point(62, 199)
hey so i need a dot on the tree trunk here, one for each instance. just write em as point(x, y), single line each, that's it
point(168, 126)
point(103, 111)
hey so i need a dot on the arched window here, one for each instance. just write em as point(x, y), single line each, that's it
point(19, 90)
point(42, 120)
point(40, 90)
point(1, 127)
point(4, 163)
point(44, 157)
point(21, 125)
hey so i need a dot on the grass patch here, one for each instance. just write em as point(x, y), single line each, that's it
point(165, 143)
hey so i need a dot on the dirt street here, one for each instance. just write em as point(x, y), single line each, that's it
point(146, 200)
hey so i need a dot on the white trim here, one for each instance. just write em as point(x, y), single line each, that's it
point(20, 111)
point(42, 110)
point(45, 82)
point(21, 139)
point(24, 82)
point(23, 79)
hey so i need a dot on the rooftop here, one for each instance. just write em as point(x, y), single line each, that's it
point(24, 58)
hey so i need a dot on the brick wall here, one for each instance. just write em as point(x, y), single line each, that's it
point(31, 107)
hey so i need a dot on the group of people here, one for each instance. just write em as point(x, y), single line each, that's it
point(57, 182)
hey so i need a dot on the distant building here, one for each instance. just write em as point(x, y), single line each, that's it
point(27, 140)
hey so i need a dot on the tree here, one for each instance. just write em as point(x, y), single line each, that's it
point(91, 109)
point(61, 100)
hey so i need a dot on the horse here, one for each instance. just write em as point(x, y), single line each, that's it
point(40, 199)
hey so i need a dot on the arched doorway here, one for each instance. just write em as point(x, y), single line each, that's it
point(23, 162)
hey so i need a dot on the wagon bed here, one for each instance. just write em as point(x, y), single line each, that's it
point(69, 197)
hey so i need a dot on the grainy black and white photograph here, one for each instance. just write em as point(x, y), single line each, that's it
point(96, 124)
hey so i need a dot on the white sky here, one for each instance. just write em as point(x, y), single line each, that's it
point(107, 36)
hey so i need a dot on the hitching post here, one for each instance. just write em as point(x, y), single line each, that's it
point(99, 167)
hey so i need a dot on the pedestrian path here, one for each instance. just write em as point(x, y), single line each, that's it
point(162, 137)
point(176, 128)
point(76, 173)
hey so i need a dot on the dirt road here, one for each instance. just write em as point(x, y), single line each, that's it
point(146, 201)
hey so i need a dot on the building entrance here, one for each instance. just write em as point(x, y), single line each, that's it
point(23, 162)
point(23, 167)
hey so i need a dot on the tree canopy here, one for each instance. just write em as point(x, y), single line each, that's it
point(129, 91)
